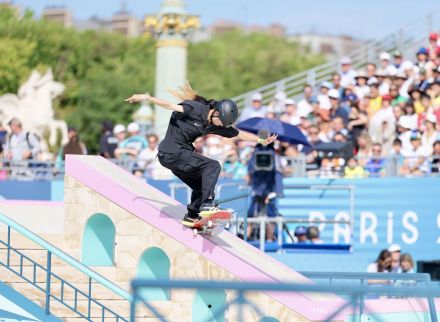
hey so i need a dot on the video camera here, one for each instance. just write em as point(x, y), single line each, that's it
point(264, 161)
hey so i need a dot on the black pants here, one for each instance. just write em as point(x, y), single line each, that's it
point(197, 171)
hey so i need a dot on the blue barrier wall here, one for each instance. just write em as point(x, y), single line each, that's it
point(387, 210)
point(405, 211)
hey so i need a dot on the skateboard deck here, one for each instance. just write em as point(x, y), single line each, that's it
point(213, 223)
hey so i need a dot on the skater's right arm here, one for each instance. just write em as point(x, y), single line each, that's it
point(136, 98)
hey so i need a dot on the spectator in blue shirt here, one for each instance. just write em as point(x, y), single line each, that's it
point(375, 166)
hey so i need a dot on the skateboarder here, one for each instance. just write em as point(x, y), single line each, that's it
point(193, 117)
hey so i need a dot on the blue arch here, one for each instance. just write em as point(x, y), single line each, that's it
point(98, 241)
point(268, 319)
point(206, 304)
point(154, 264)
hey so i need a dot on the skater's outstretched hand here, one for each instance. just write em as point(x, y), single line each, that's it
point(136, 98)
point(270, 139)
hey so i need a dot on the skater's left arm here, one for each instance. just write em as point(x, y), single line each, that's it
point(136, 98)
point(246, 136)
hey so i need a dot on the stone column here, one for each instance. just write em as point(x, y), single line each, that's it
point(170, 26)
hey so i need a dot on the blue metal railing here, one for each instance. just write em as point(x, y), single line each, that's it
point(410, 278)
point(51, 278)
point(356, 293)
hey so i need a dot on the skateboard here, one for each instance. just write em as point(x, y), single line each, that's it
point(213, 224)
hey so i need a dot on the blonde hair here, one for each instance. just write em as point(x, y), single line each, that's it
point(184, 92)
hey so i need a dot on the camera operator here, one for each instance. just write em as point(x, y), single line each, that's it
point(265, 175)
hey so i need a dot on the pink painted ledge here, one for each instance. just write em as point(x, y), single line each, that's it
point(77, 168)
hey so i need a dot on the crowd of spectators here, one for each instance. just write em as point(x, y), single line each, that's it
point(387, 113)
point(392, 260)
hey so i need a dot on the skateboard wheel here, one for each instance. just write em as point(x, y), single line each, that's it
point(195, 232)
point(227, 225)
point(209, 224)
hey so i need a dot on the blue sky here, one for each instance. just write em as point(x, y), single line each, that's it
point(359, 18)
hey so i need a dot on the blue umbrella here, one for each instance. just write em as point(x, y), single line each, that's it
point(286, 132)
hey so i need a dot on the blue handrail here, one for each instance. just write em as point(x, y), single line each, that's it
point(355, 292)
point(52, 250)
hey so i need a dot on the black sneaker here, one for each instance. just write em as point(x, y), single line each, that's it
point(190, 219)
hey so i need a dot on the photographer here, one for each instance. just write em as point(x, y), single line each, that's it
point(265, 175)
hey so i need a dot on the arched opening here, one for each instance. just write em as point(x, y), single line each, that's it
point(206, 304)
point(268, 319)
point(154, 264)
point(98, 241)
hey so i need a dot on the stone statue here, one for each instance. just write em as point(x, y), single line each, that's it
point(33, 106)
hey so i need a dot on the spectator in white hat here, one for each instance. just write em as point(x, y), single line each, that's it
point(336, 109)
point(347, 72)
point(388, 68)
point(430, 134)
point(256, 109)
point(404, 130)
point(324, 101)
point(290, 115)
point(415, 163)
point(361, 88)
point(394, 249)
point(278, 103)
point(133, 144)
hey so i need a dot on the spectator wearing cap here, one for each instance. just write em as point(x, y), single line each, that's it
point(20, 145)
point(134, 141)
point(375, 165)
point(256, 109)
point(433, 45)
point(435, 162)
point(394, 250)
point(398, 59)
point(430, 133)
point(312, 234)
point(422, 57)
point(415, 163)
point(277, 104)
point(336, 110)
point(290, 115)
point(304, 106)
point(300, 234)
point(323, 99)
point(382, 125)
point(108, 141)
point(361, 88)
point(347, 72)
point(388, 68)
point(404, 133)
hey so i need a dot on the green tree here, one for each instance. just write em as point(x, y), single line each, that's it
point(100, 69)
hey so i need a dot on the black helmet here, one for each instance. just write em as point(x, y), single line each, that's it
point(228, 112)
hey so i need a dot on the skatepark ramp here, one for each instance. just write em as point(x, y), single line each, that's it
point(143, 235)
point(116, 221)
